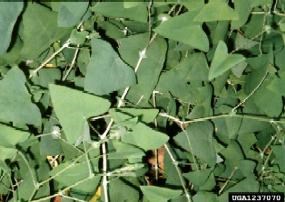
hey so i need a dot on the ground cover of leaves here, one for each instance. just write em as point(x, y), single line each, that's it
point(141, 101)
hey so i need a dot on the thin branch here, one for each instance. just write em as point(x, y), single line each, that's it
point(251, 93)
point(228, 180)
point(65, 45)
point(66, 168)
point(99, 117)
point(105, 169)
point(33, 177)
point(178, 172)
point(175, 163)
point(72, 63)
point(220, 116)
point(156, 163)
point(190, 146)
point(87, 159)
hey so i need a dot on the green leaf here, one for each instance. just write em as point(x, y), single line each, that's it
point(7, 153)
point(243, 43)
point(279, 152)
point(205, 196)
point(70, 13)
point(10, 136)
point(186, 80)
point(77, 37)
point(73, 112)
point(125, 151)
point(243, 9)
point(106, 72)
point(141, 135)
point(246, 185)
point(198, 139)
point(122, 189)
point(9, 12)
point(217, 10)
point(159, 194)
point(39, 30)
point(182, 28)
point(15, 100)
point(202, 179)
point(122, 114)
point(223, 61)
point(69, 173)
point(132, 4)
point(117, 9)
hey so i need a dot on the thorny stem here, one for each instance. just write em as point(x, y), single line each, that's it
point(35, 182)
point(175, 163)
point(228, 180)
point(251, 93)
point(72, 63)
point(65, 45)
point(178, 172)
point(104, 135)
point(60, 193)
point(190, 146)
point(156, 163)
point(220, 116)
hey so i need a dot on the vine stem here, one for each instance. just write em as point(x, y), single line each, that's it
point(251, 93)
point(104, 135)
point(72, 63)
point(178, 172)
point(228, 180)
point(156, 162)
point(175, 163)
point(246, 116)
point(65, 45)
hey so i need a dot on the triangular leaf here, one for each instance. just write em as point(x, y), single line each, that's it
point(198, 139)
point(106, 72)
point(15, 100)
point(70, 13)
point(39, 30)
point(216, 10)
point(279, 152)
point(145, 137)
point(9, 12)
point(190, 33)
point(10, 136)
point(223, 61)
point(117, 9)
point(159, 194)
point(73, 108)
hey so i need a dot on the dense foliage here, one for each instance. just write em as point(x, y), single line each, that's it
point(141, 101)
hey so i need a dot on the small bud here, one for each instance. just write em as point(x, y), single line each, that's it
point(163, 17)
point(55, 132)
point(142, 53)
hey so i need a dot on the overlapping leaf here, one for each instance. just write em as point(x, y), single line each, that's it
point(159, 194)
point(9, 12)
point(198, 139)
point(216, 10)
point(190, 33)
point(106, 72)
point(223, 61)
point(70, 13)
point(15, 101)
point(39, 30)
point(74, 110)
